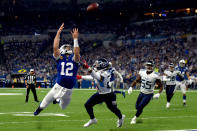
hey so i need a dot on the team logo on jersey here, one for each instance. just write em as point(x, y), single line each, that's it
point(61, 57)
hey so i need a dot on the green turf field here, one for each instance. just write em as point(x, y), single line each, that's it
point(154, 117)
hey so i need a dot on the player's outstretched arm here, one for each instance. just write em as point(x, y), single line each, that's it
point(56, 51)
point(160, 85)
point(134, 83)
point(75, 35)
point(119, 75)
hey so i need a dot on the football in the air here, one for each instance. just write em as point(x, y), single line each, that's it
point(93, 6)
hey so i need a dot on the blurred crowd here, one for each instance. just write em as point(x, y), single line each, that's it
point(126, 58)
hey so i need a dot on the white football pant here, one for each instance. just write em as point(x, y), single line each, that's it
point(57, 92)
point(182, 85)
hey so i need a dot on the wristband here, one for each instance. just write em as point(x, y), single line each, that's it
point(76, 43)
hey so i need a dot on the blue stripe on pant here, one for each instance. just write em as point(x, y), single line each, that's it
point(142, 101)
point(169, 92)
point(109, 99)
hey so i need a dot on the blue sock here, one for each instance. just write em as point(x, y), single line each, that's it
point(184, 97)
point(118, 92)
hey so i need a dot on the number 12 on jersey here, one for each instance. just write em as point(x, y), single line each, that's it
point(66, 71)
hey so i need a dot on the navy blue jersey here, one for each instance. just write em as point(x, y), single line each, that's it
point(66, 71)
point(183, 71)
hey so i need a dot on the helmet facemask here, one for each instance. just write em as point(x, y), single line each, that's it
point(182, 63)
point(149, 66)
point(171, 67)
point(101, 64)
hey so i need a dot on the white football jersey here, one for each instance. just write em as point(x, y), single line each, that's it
point(148, 81)
point(105, 86)
point(171, 77)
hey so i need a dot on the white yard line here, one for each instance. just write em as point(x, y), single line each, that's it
point(10, 94)
point(31, 114)
point(89, 89)
point(17, 122)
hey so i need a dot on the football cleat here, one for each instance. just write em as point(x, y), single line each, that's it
point(133, 120)
point(168, 105)
point(56, 101)
point(120, 121)
point(90, 122)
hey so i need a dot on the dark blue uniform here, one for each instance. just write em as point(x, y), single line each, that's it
point(66, 71)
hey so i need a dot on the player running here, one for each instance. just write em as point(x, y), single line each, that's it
point(170, 82)
point(181, 78)
point(148, 78)
point(103, 79)
point(67, 67)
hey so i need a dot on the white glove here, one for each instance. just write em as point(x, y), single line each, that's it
point(130, 90)
point(190, 81)
point(156, 96)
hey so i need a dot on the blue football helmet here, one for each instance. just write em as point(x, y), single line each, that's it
point(101, 64)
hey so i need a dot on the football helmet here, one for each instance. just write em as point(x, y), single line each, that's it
point(101, 64)
point(171, 67)
point(149, 65)
point(182, 63)
point(66, 49)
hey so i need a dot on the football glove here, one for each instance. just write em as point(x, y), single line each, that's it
point(156, 96)
point(130, 90)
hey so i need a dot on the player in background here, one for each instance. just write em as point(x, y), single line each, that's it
point(103, 79)
point(116, 73)
point(170, 82)
point(148, 80)
point(67, 67)
point(181, 78)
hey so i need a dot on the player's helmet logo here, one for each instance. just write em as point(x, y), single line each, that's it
point(101, 64)
point(182, 63)
point(66, 49)
point(149, 65)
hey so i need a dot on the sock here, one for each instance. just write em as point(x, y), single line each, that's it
point(184, 99)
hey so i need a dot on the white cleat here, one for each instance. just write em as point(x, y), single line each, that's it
point(120, 121)
point(168, 105)
point(90, 122)
point(133, 120)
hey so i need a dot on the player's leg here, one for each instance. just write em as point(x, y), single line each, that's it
point(120, 92)
point(144, 99)
point(65, 99)
point(110, 101)
point(93, 100)
point(48, 98)
point(169, 92)
point(34, 93)
point(27, 94)
point(183, 90)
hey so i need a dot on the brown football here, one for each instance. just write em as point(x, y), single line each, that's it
point(92, 6)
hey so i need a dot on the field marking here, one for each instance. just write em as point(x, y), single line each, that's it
point(180, 130)
point(11, 94)
point(135, 90)
point(84, 120)
point(31, 114)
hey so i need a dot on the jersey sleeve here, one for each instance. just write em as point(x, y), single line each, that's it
point(56, 58)
point(166, 72)
point(141, 72)
point(26, 77)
